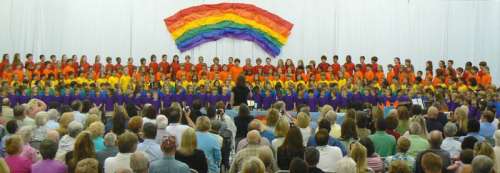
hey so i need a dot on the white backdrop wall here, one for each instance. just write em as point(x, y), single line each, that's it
point(462, 30)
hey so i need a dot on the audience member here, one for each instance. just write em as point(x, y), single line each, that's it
point(110, 150)
point(402, 154)
point(139, 163)
point(127, 144)
point(48, 151)
point(482, 164)
point(327, 154)
point(292, 147)
point(435, 140)
point(208, 144)
point(149, 145)
point(312, 158)
point(450, 144)
point(189, 154)
point(16, 162)
point(385, 144)
point(168, 164)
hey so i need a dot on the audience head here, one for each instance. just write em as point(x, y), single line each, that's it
point(168, 145)
point(110, 139)
point(414, 128)
point(267, 157)
point(311, 156)
point(488, 116)
point(127, 142)
point(135, 124)
point(139, 163)
point(303, 120)
point(88, 165)
point(322, 137)
point(253, 165)
point(174, 116)
point(19, 112)
point(432, 112)
point(11, 126)
point(431, 162)
point(331, 116)
point(482, 164)
point(348, 129)
point(188, 142)
point(473, 126)
point(84, 147)
point(26, 133)
point(96, 129)
point(497, 138)
point(48, 149)
point(293, 139)
point(243, 111)
point(149, 112)
point(450, 129)
point(13, 145)
point(273, 115)
point(41, 118)
point(53, 135)
point(119, 120)
point(435, 139)
point(358, 154)
point(203, 124)
point(149, 130)
point(253, 137)
point(74, 128)
point(380, 124)
point(281, 128)
point(403, 144)
point(324, 124)
point(468, 142)
point(161, 121)
point(484, 148)
point(346, 165)
point(53, 114)
point(466, 156)
point(392, 120)
point(298, 165)
point(255, 124)
point(399, 166)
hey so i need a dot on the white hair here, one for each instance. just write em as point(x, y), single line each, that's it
point(345, 165)
point(161, 121)
point(41, 118)
point(53, 114)
point(74, 128)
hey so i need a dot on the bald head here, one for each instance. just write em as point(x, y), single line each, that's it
point(435, 139)
point(53, 135)
point(432, 112)
point(5, 102)
point(254, 125)
point(253, 137)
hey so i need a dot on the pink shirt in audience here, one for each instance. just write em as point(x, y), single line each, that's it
point(18, 164)
point(30, 153)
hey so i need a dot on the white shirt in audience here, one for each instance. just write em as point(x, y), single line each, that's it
point(328, 156)
point(277, 142)
point(80, 117)
point(306, 133)
point(121, 160)
point(452, 146)
point(176, 129)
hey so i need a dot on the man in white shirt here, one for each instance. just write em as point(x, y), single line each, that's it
point(449, 143)
point(327, 154)
point(127, 144)
point(175, 128)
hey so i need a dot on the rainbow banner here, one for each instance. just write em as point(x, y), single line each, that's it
point(196, 25)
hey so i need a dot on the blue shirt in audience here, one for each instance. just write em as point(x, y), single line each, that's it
point(487, 129)
point(151, 149)
point(168, 165)
point(209, 145)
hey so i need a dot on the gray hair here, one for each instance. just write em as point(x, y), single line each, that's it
point(482, 164)
point(161, 121)
point(53, 114)
point(331, 116)
point(110, 139)
point(41, 118)
point(139, 162)
point(450, 129)
point(74, 128)
point(346, 165)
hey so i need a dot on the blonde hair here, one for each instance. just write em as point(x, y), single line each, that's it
point(462, 118)
point(91, 119)
point(253, 165)
point(66, 118)
point(13, 145)
point(272, 117)
point(399, 166)
point(281, 128)
point(88, 165)
point(484, 148)
point(41, 118)
point(188, 143)
point(26, 133)
point(96, 129)
point(303, 120)
point(358, 154)
point(95, 111)
point(325, 109)
point(203, 124)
